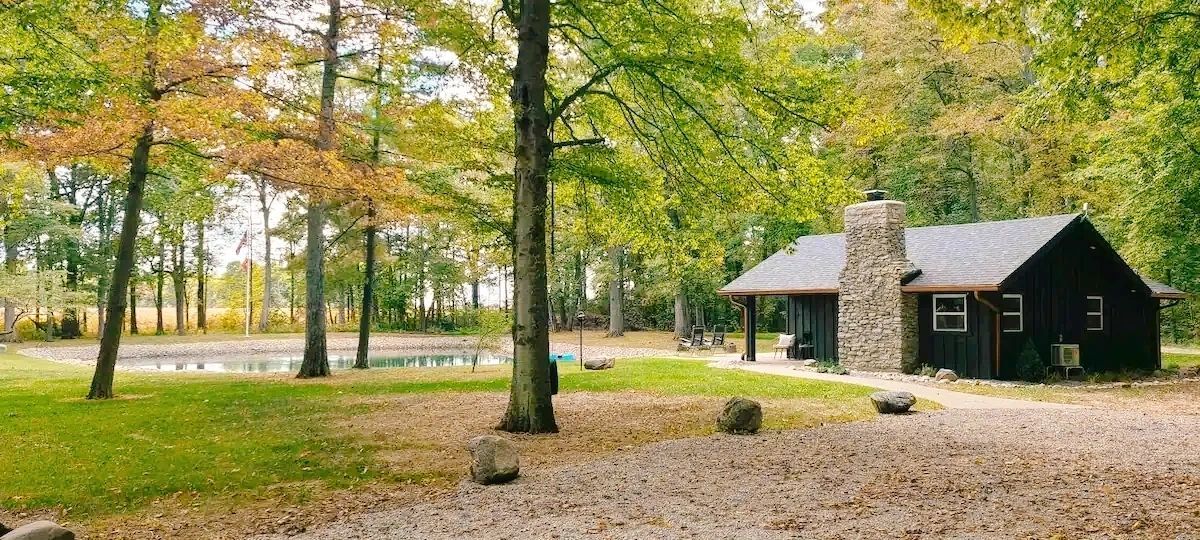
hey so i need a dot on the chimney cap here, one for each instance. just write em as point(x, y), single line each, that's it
point(875, 194)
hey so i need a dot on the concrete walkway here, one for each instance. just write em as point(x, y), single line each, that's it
point(946, 398)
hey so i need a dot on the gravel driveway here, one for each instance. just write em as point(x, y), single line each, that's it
point(951, 474)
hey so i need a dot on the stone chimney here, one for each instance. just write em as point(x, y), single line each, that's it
point(877, 324)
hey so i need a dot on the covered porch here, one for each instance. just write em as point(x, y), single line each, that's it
point(811, 318)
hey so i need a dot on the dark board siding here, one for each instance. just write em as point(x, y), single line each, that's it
point(1055, 289)
point(815, 314)
point(968, 353)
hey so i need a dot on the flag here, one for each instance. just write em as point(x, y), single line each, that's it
point(242, 244)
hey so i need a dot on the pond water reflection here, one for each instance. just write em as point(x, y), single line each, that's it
point(271, 364)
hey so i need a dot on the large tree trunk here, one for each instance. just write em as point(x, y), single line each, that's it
point(316, 356)
point(368, 296)
point(201, 280)
point(682, 328)
point(616, 293)
point(264, 320)
point(110, 340)
point(179, 283)
point(530, 409)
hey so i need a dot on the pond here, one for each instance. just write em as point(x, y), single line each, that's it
point(270, 364)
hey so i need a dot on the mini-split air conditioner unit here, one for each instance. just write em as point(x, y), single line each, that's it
point(1064, 354)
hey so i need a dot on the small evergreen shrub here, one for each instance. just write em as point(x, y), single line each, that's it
point(1030, 366)
point(927, 370)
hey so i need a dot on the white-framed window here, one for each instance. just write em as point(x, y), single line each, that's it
point(1012, 313)
point(950, 312)
point(1095, 313)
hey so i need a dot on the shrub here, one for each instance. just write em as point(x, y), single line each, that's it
point(927, 370)
point(830, 366)
point(27, 331)
point(1030, 366)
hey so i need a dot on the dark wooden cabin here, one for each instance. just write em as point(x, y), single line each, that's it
point(983, 292)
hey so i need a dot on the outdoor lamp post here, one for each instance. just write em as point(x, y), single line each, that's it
point(579, 323)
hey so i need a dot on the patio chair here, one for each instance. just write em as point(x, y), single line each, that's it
point(805, 349)
point(696, 341)
point(785, 342)
point(718, 339)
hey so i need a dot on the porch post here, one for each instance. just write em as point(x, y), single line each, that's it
point(751, 326)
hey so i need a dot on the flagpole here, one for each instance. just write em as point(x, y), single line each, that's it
point(249, 263)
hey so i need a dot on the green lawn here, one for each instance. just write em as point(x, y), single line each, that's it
point(1179, 360)
point(222, 439)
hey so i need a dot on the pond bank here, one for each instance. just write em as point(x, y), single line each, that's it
point(236, 347)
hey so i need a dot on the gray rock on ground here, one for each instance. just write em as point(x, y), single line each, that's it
point(740, 416)
point(39, 530)
point(494, 459)
point(945, 375)
point(602, 362)
point(809, 363)
point(893, 402)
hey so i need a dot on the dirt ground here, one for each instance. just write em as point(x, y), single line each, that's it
point(948, 474)
point(423, 437)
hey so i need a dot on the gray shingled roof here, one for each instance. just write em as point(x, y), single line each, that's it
point(1162, 290)
point(970, 256)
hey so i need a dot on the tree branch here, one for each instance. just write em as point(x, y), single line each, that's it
point(579, 142)
point(579, 92)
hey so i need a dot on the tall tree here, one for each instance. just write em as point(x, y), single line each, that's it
point(316, 356)
point(139, 168)
point(264, 202)
point(530, 409)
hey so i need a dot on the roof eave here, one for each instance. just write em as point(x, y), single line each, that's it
point(773, 292)
point(950, 288)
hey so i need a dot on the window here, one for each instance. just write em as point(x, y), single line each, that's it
point(950, 312)
point(1012, 313)
point(1095, 313)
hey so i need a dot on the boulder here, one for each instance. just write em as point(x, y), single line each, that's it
point(600, 362)
point(893, 402)
point(39, 530)
point(740, 416)
point(809, 363)
point(945, 375)
point(494, 459)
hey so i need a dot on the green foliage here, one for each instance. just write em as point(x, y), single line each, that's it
point(1030, 366)
point(1116, 81)
point(831, 366)
point(927, 370)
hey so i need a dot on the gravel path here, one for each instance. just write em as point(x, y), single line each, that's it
point(950, 474)
point(337, 344)
point(945, 397)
